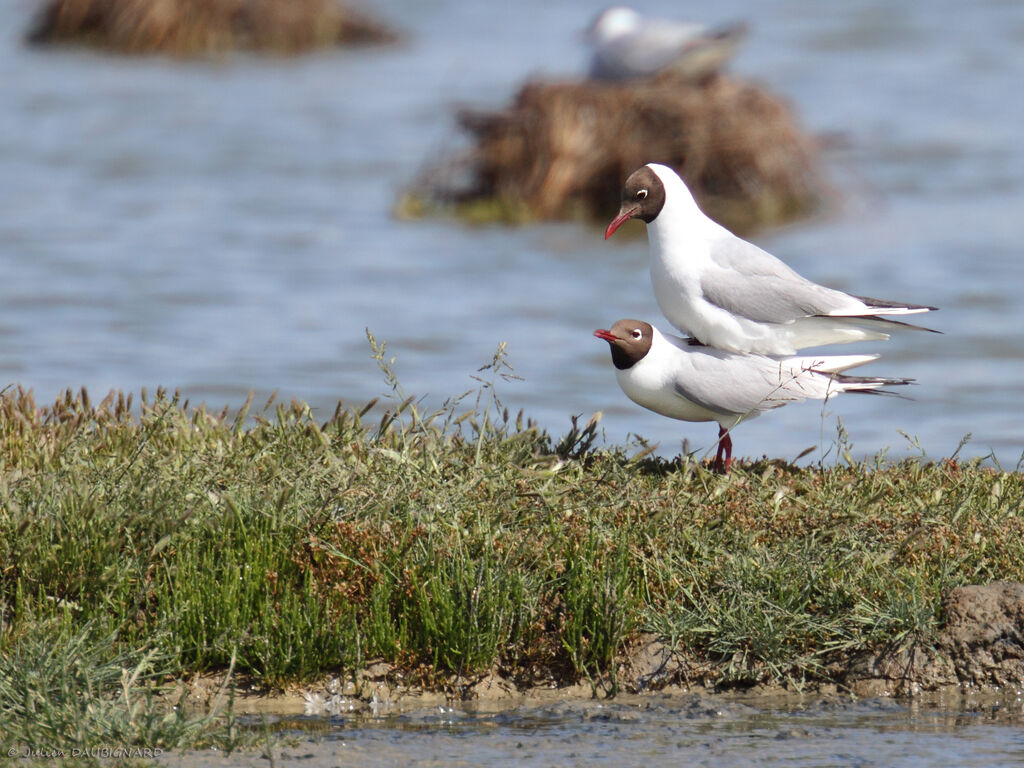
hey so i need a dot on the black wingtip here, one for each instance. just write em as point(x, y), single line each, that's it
point(889, 321)
point(882, 304)
point(886, 392)
point(871, 384)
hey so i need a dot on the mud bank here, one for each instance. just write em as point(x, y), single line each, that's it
point(978, 655)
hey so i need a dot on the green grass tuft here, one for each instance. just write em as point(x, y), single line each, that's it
point(64, 686)
point(167, 540)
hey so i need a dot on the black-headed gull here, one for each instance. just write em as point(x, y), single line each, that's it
point(628, 45)
point(690, 382)
point(730, 294)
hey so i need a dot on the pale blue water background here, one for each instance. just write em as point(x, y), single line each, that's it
point(227, 226)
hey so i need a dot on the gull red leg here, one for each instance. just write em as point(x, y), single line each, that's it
point(724, 447)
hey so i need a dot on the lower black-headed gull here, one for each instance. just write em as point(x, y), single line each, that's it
point(730, 294)
point(690, 382)
point(628, 45)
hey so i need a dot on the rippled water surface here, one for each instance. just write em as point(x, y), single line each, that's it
point(689, 730)
point(225, 227)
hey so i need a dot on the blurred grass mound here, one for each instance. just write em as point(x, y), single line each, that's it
point(203, 27)
point(564, 149)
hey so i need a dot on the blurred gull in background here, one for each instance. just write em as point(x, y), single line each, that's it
point(627, 45)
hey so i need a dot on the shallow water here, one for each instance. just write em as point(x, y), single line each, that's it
point(657, 730)
point(225, 227)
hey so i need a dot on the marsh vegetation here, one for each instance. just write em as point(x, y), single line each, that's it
point(145, 541)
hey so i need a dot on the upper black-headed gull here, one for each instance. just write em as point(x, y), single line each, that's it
point(730, 294)
point(627, 46)
point(676, 378)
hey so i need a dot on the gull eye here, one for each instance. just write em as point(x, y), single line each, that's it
point(637, 334)
point(641, 194)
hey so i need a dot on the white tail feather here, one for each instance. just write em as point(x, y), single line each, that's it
point(832, 363)
point(869, 311)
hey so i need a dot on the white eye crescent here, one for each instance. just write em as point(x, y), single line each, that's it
point(641, 194)
point(637, 334)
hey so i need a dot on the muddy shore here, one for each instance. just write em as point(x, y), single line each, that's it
point(977, 657)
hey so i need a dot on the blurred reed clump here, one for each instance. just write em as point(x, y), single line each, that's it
point(564, 149)
point(204, 27)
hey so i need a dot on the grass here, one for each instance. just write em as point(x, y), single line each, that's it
point(68, 691)
point(145, 542)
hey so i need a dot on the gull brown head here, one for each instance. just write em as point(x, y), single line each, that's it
point(643, 197)
point(630, 341)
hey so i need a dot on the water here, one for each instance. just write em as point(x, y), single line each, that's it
point(225, 227)
point(690, 730)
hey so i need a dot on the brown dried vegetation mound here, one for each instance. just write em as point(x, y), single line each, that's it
point(563, 150)
point(203, 27)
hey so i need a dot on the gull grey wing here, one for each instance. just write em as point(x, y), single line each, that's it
point(645, 51)
point(768, 299)
point(668, 38)
point(752, 283)
point(734, 385)
point(738, 255)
